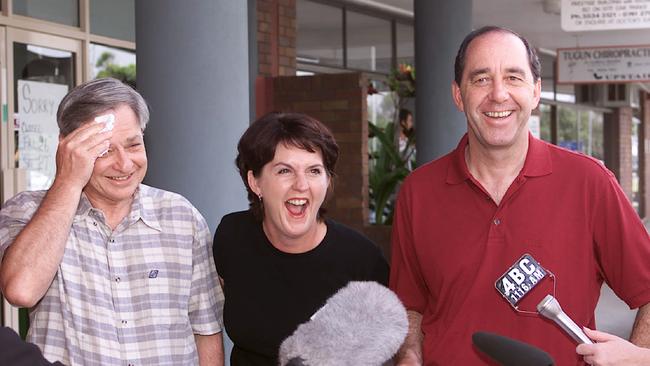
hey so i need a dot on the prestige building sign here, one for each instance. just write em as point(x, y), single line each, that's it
point(593, 15)
point(603, 64)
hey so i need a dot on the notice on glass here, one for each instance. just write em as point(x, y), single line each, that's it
point(38, 132)
point(592, 15)
point(624, 64)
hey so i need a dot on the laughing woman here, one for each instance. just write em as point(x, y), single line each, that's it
point(281, 260)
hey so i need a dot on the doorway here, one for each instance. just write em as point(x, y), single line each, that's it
point(37, 71)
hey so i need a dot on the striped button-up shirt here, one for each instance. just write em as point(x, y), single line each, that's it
point(135, 295)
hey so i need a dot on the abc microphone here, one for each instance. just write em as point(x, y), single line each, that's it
point(550, 308)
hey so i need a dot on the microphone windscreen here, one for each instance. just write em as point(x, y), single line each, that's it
point(510, 352)
point(364, 323)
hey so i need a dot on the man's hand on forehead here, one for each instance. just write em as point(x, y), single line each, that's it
point(109, 119)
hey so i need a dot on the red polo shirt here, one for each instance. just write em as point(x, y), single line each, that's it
point(451, 242)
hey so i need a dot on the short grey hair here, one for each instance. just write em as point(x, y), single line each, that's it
point(95, 97)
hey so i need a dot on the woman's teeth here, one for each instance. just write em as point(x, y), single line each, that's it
point(296, 207)
point(297, 202)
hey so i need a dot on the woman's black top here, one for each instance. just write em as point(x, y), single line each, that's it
point(269, 292)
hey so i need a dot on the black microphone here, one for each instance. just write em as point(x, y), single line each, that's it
point(364, 323)
point(510, 352)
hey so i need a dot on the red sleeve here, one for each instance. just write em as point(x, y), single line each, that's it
point(622, 245)
point(405, 275)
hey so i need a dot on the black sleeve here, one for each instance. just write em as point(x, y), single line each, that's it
point(366, 256)
point(17, 352)
point(219, 247)
point(381, 270)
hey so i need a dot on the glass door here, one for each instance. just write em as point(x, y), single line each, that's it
point(8, 316)
point(39, 71)
point(42, 70)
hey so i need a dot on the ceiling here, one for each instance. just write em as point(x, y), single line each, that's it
point(543, 30)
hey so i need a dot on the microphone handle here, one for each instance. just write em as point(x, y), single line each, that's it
point(571, 328)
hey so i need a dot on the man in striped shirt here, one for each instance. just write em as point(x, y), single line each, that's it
point(114, 272)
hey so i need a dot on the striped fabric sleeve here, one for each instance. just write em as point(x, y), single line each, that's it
point(206, 296)
point(15, 214)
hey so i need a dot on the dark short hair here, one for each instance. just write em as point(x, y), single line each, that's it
point(95, 97)
point(404, 114)
point(257, 147)
point(459, 65)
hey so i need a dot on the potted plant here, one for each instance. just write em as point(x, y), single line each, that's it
point(392, 158)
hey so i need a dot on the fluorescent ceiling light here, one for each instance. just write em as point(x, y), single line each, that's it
point(48, 52)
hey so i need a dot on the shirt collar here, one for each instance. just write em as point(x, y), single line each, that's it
point(84, 206)
point(538, 161)
point(142, 208)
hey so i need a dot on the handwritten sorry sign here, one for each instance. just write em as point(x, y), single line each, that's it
point(38, 133)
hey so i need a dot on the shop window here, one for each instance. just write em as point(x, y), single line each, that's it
point(369, 43)
point(57, 11)
point(586, 94)
point(42, 64)
point(112, 62)
point(381, 105)
point(636, 193)
point(40, 73)
point(115, 19)
point(616, 92)
point(319, 34)
point(405, 43)
point(382, 185)
point(545, 122)
point(391, 148)
point(581, 130)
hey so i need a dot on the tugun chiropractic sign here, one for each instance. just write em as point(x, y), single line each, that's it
point(603, 64)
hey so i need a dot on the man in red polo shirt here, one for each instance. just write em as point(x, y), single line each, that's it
point(464, 220)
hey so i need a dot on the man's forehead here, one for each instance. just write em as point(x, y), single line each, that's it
point(135, 137)
point(496, 45)
point(496, 39)
point(496, 36)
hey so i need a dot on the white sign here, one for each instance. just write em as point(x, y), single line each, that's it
point(38, 133)
point(603, 64)
point(589, 15)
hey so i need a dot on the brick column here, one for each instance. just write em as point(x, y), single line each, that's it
point(618, 146)
point(276, 37)
point(339, 101)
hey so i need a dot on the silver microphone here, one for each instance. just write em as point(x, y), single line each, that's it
point(550, 308)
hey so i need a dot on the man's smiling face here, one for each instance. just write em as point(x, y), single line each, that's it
point(497, 91)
